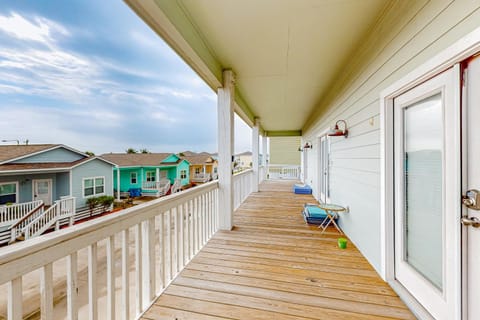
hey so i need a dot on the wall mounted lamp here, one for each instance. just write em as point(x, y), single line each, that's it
point(308, 145)
point(337, 132)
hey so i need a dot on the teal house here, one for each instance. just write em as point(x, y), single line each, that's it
point(151, 174)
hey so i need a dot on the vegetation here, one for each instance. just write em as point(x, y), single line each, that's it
point(131, 150)
point(104, 201)
point(90, 153)
point(144, 150)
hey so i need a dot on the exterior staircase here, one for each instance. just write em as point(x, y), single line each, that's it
point(36, 221)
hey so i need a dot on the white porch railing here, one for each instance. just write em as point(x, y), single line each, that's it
point(201, 177)
point(261, 173)
point(242, 186)
point(9, 214)
point(279, 171)
point(168, 232)
point(160, 187)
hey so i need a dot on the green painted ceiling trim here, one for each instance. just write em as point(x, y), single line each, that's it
point(178, 16)
point(245, 108)
point(288, 133)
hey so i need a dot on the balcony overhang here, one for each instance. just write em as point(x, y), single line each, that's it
point(287, 55)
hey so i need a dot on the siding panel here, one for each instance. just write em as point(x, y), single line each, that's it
point(407, 36)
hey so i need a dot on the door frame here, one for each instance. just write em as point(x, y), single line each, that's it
point(450, 57)
point(320, 176)
point(34, 181)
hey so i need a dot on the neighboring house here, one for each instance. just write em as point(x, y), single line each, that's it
point(203, 167)
point(152, 173)
point(49, 172)
point(243, 160)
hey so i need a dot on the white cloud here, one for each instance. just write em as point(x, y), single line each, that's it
point(40, 30)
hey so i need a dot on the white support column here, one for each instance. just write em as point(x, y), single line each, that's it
point(264, 157)
point(118, 183)
point(157, 175)
point(255, 154)
point(226, 96)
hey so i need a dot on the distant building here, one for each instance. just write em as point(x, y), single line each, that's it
point(243, 160)
point(203, 166)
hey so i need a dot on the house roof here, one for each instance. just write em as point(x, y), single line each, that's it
point(41, 166)
point(138, 159)
point(10, 152)
point(198, 158)
point(246, 153)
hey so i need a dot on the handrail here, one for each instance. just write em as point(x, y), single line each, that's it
point(28, 215)
point(185, 221)
point(13, 212)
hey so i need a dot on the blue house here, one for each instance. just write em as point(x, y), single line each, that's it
point(153, 174)
point(49, 172)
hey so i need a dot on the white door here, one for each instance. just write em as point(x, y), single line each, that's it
point(472, 181)
point(427, 188)
point(42, 190)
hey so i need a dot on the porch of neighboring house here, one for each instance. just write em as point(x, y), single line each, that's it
point(274, 266)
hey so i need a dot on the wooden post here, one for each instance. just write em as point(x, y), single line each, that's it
point(226, 96)
point(118, 183)
point(264, 157)
point(255, 155)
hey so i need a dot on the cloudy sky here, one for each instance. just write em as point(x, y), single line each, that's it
point(90, 74)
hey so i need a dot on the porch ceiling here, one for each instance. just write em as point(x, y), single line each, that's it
point(286, 54)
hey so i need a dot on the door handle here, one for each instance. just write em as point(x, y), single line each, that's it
point(473, 221)
point(471, 199)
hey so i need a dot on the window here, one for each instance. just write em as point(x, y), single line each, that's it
point(215, 170)
point(151, 176)
point(133, 178)
point(93, 186)
point(197, 170)
point(183, 174)
point(8, 192)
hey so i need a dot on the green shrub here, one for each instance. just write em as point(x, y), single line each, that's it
point(106, 202)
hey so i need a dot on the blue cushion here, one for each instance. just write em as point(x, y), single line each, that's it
point(315, 212)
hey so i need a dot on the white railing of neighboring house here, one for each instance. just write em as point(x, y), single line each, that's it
point(167, 233)
point(11, 213)
point(280, 171)
point(61, 209)
point(176, 186)
point(242, 186)
point(201, 177)
point(161, 187)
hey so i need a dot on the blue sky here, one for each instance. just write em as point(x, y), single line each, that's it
point(92, 75)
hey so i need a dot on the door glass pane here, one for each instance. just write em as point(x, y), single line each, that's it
point(42, 187)
point(423, 214)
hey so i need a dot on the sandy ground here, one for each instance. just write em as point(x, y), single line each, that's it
point(31, 283)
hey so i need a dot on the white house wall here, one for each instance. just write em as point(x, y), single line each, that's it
point(406, 37)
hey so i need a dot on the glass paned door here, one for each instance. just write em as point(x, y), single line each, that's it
point(324, 153)
point(427, 180)
point(42, 190)
point(423, 178)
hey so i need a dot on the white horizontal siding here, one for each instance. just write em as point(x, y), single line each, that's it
point(405, 37)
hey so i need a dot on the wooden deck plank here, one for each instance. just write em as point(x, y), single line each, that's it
point(274, 266)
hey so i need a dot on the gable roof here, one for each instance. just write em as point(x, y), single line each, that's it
point(47, 166)
point(13, 152)
point(139, 159)
point(199, 158)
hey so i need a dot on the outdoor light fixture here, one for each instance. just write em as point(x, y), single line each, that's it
point(308, 145)
point(337, 132)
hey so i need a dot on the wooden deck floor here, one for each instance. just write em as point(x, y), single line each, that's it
point(274, 266)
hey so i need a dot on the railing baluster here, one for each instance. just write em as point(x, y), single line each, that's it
point(92, 282)
point(110, 277)
point(170, 245)
point(148, 254)
point(15, 298)
point(138, 269)
point(72, 290)
point(179, 238)
point(186, 238)
point(161, 231)
point(191, 211)
point(46, 292)
point(174, 252)
point(125, 275)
